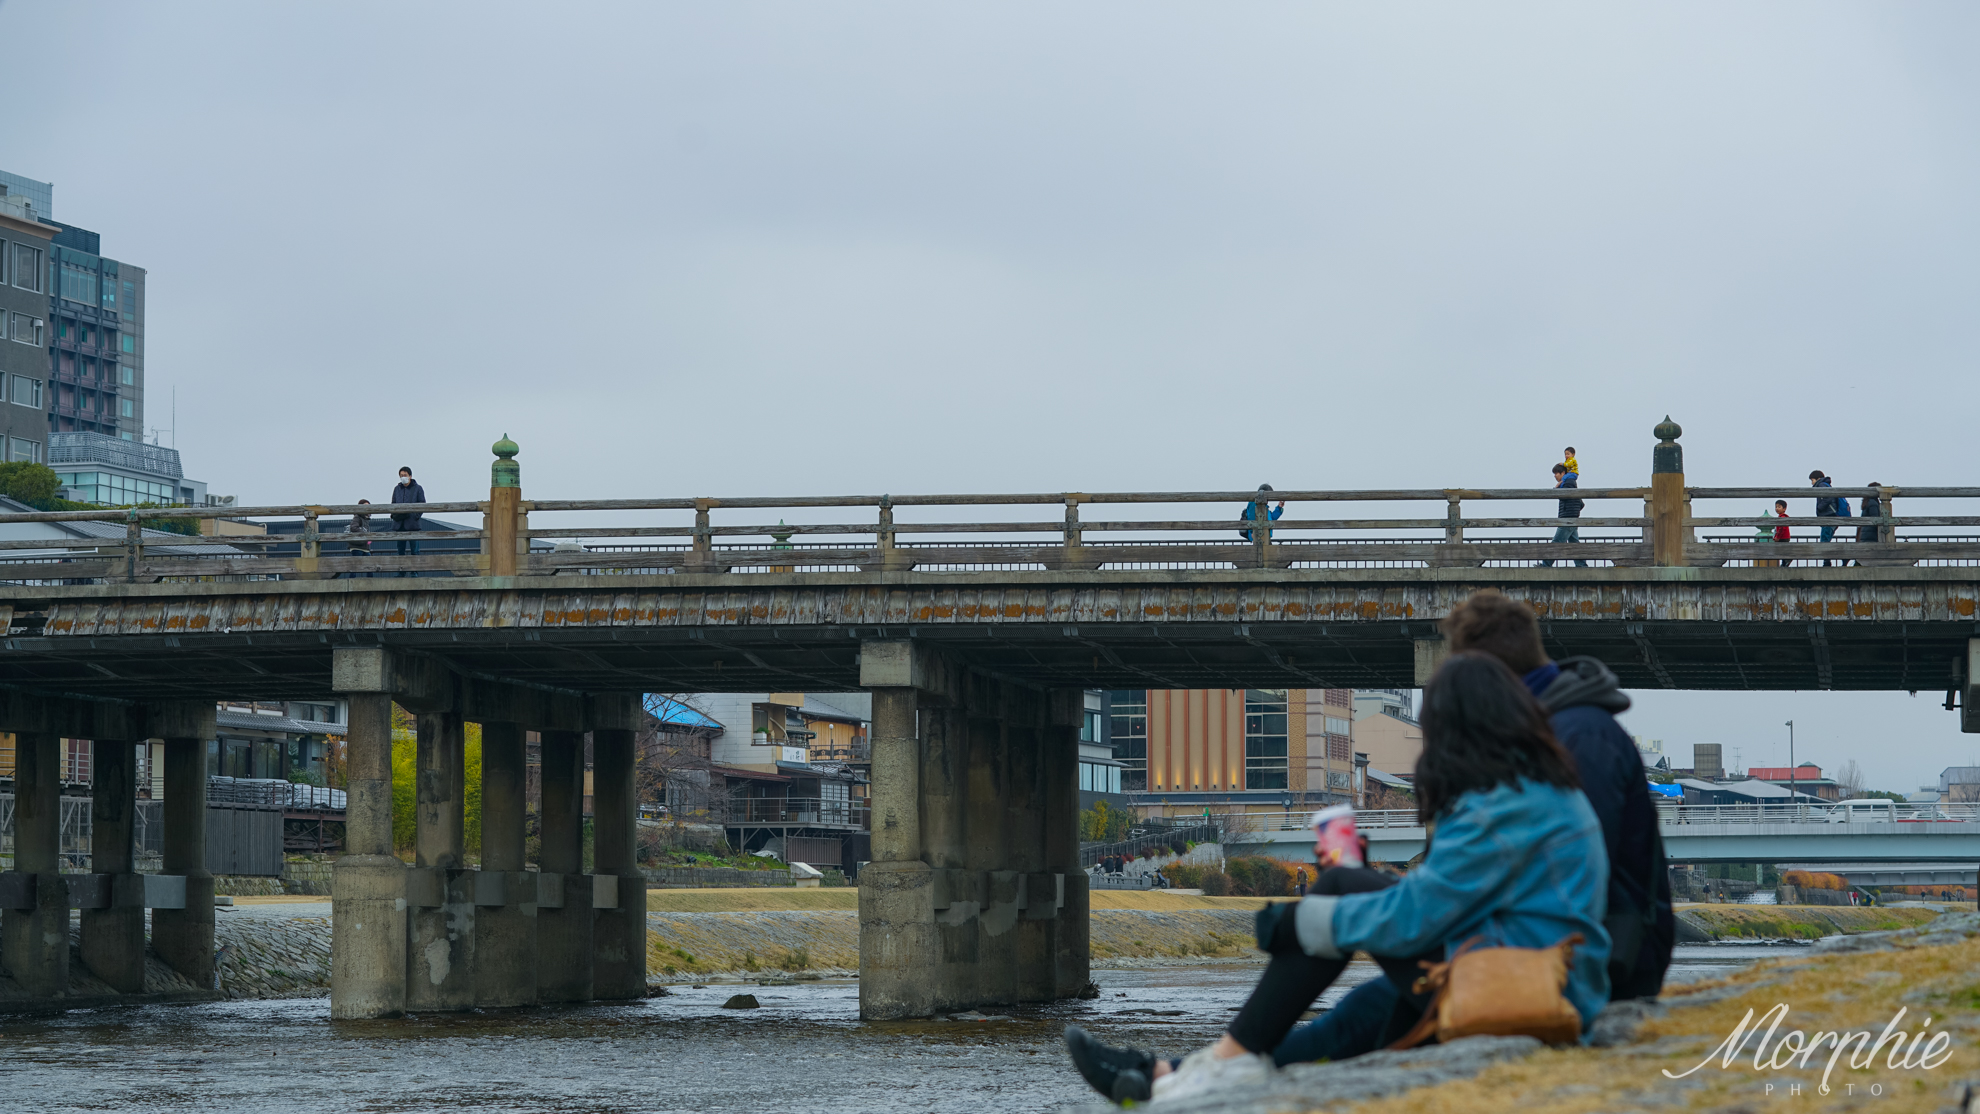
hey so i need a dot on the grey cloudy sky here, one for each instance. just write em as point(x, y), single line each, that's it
point(761, 248)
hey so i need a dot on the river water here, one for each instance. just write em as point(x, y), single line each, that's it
point(804, 1051)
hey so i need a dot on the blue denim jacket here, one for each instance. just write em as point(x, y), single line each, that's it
point(1523, 866)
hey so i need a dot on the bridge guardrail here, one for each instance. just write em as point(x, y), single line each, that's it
point(1280, 826)
point(971, 532)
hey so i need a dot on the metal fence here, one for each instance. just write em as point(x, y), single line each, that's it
point(238, 840)
point(974, 533)
point(797, 810)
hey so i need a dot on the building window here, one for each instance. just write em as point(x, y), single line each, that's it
point(130, 343)
point(1338, 748)
point(25, 329)
point(25, 392)
point(127, 408)
point(1130, 732)
point(27, 268)
point(1340, 698)
point(1265, 738)
point(1337, 725)
point(29, 451)
point(1339, 779)
point(1089, 727)
point(78, 285)
point(128, 375)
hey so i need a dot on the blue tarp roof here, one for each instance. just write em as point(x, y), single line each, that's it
point(673, 711)
point(1668, 790)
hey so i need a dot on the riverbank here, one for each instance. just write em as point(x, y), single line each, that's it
point(1917, 982)
point(1699, 923)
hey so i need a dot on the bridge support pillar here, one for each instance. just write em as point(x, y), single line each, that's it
point(1969, 700)
point(618, 933)
point(1059, 771)
point(1430, 653)
point(112, 943)
point(34, 942)
point(974, 895)
point(368, 932)
point(505, 898)
point(440, 906)
point(183, 938)
point(563, 917)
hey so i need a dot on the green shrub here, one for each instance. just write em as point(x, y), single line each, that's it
point(1257, 876)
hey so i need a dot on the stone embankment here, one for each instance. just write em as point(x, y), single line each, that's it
point(1672, 1053)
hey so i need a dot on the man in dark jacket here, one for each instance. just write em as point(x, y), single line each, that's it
point(1582, 698)
point(408, 491)
point(1570, 510)
point(1873, 507)
point(1827, 507)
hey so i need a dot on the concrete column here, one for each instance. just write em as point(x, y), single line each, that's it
point(898, 944)
point(988, 848)
point(440, 904)
point(958, 898)
point(183, 938)
point(896, 778)
point(618, 935)
point(1037, 979)
point(505, 913)
point(563, 934)
point(1072, 933)
point(113, 939)
point(34, 943)
point(368, 924)
point(1430, 653)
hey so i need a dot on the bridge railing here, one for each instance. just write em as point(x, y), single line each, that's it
point(934, 533)
point(1280, 827)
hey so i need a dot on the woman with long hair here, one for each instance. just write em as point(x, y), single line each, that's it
point(1516, 858)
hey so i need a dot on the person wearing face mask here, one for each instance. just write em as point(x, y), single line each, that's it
point(408, 491)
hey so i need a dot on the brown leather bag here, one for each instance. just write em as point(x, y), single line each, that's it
point(1486, 991)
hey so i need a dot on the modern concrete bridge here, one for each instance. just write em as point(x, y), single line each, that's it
point(970, 630)
point(1692, 834)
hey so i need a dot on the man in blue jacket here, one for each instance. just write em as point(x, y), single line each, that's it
point(1828, 506)
point(1582, 697)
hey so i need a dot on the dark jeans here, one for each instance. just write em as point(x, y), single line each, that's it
point(409, 545)
point(1565, 534)
point(1358, 1023)
point(1293, 980)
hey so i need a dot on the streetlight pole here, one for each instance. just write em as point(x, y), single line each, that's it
point(1792, 794)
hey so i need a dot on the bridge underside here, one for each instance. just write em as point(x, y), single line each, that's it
point(1865, 629)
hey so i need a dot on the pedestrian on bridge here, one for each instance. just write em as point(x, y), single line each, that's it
point(1828, 506)
point(408, 491)
point(358, 531)
point(1873, 507)
point(1518, 859)
point(1569, 511)
point(1251, 512)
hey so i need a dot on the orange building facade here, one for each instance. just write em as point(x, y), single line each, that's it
point(1246, 747)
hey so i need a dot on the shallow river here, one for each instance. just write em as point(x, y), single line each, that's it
point(805, 1050)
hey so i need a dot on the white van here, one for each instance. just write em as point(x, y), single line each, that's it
point(1869, 810)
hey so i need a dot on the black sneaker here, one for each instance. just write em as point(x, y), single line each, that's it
point(1104, 1066)
point(1132, 1086)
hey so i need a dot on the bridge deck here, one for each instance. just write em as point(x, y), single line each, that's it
point(1801, 628)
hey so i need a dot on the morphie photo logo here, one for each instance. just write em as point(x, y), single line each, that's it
point(1795, 1049)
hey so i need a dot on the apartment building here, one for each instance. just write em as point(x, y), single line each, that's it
point(1184, 750)
point(24, 251)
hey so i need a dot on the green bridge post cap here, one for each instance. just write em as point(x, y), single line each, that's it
point(505, 472)
point(1668, 456)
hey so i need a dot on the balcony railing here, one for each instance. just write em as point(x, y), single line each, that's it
point(798, 810)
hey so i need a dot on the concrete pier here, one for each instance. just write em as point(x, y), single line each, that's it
point(34, 942)
point(440, 907)
point(183, 938)
point(619, 918)
point(970, 899)
point(505, 897)
point(368, 884)
point(563, 914)
point(112, 941)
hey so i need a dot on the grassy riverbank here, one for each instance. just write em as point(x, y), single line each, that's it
point(1796, 922)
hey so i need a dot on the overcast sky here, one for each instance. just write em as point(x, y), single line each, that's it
point(808, 248)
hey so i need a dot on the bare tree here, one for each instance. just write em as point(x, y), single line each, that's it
point(672, 759)
point(1849, 776)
